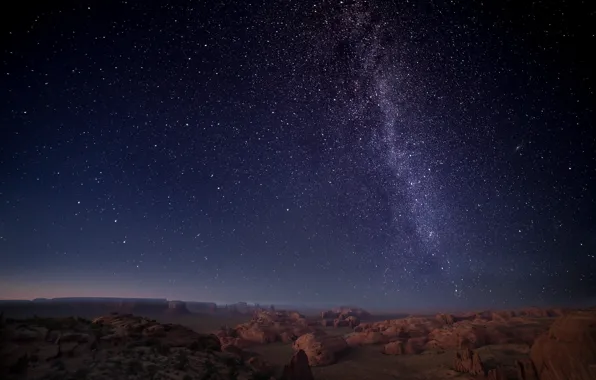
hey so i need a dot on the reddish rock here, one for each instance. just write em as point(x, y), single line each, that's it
point(415, 345)
point(369, 337)
point(326, 322)
point(526, 370)
point(496, 374)
point(294, 315)
point(442, 339)
point(298, 369)
point(568, 350)
point(392, 331)
point(256, 334)
point(353, 321)
point(394, 348)
point(320, 348)
point(471, 335)
point(445, 319)
point(468, 361)
point(352, 311)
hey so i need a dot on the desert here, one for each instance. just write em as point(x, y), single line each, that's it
point(160, 339)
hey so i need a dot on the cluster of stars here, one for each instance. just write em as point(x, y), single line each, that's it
point(316, 152)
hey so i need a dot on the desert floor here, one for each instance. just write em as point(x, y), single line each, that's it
point(367, 362)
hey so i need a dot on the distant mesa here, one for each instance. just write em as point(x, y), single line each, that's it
point(177, 308)
point(91, 307)
point(201, 307)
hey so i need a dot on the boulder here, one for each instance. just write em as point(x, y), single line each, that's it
point(257, 334)
point(410, 347)
point(320, 348)
point(394, 348)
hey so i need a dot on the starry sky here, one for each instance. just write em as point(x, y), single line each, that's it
point(426, 154)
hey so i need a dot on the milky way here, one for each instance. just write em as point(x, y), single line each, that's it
point(388, 155)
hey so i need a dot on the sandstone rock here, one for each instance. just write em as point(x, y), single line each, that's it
point(496, 374)
point(347, 311)
point(410, 347)
point(294, 315)
point(392, 331)
point(353, 321)
point(445, 319)
point(468, 361)
point(526, 370)
point(362, 338)
point(415, 345)
point(256, 334)
point(298, 369)
point(471, 335)
point(321, 349)
point(394, 348)
point(568, 349)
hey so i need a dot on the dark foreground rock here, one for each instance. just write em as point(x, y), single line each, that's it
point(298, 369)
point(117, 346)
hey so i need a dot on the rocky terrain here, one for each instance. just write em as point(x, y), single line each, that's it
point(530, 344)
point(123, 346)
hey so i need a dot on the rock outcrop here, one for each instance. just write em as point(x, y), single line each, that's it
point(266, 326)
point(116, 346)
point(568, 350)
point(468, 361)
point(352, 316)
point(320, 348)
point(298, 369)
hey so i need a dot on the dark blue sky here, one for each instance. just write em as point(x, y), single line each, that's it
point(413, 156)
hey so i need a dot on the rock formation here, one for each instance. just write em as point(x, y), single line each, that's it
point(177, 308)
point(116, 346)
point(265, 327)
point(468, 361)
point(568, 350)
point(298, 369)
point(353, 316)
point(320, 348)
point(496, 374)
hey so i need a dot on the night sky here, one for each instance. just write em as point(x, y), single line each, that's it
point(422, 155)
